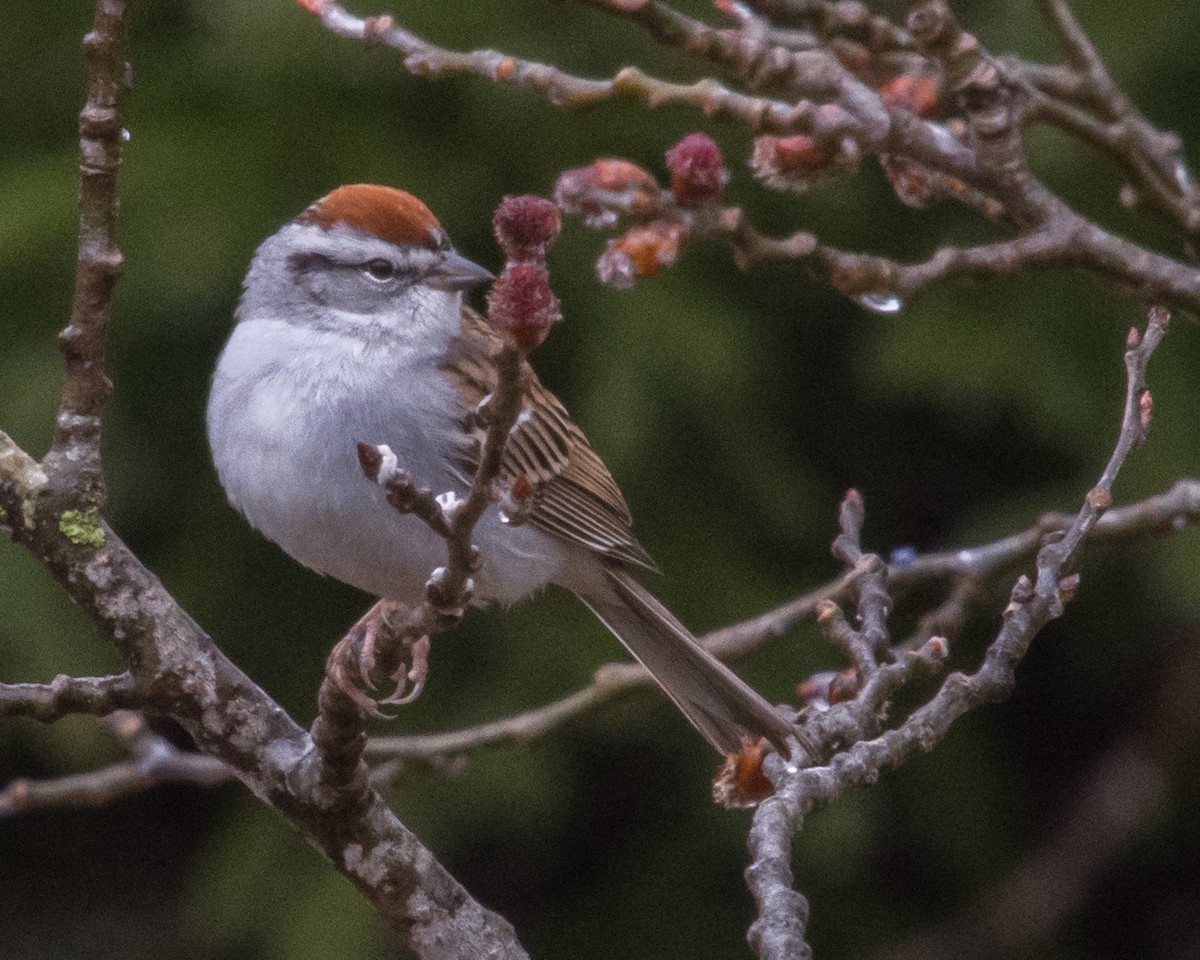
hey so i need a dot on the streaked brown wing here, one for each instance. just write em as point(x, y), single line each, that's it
point(575, 496)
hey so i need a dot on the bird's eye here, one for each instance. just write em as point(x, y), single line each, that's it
point(379, 270)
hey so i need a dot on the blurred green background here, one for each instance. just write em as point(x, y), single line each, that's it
point(733, 409)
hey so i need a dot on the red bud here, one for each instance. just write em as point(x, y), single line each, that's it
point(741, 781)
point(521, 306)
point(641, 252)
point(697, 168)
point(522, 489)
point(370, 460)
point(526, 226)
point(606, 189)
point(916, 94)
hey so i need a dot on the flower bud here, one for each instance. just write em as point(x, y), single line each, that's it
point(791, 163)
point(741, 782)
point(918, 95)
point(697, 168)
point(521, 306)
point(607, 189)
point(526, 226)
point(640, 252)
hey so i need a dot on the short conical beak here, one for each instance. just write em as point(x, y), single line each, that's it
point(456, 272)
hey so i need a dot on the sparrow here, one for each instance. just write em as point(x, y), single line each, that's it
point(352, 327)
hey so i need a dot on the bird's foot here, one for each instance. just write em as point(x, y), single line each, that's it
point(382, 647)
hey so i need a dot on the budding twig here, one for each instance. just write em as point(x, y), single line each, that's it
point(855, 93)
point(74, 459)
point(776, 934)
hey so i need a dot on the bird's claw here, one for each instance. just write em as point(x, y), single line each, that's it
point(354, 662)
point(414, 675)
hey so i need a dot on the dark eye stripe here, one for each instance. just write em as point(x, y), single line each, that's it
point(380, 269)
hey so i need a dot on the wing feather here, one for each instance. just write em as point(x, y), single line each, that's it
point(576, 497)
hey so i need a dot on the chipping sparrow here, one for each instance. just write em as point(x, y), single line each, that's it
point(352, 327)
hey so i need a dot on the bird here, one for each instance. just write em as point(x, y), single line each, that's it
point(351, 327)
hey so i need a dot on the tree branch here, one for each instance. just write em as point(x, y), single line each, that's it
point(778, 932)
point(65, 695)
point(155, 760)
point(971, 567)
point(74, 459)
point(521, 310)
point(52, 510)
point(988, 172)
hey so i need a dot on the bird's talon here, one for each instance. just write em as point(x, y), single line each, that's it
point(416, 674)
point(355, 659)
point(366, 653)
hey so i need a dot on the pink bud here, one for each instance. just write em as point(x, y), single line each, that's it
point(522, 489)
point(698, 171)
point(607, 189)
point(741, 782)
point(914, 184)
point(827, 687)
point(853, 502)
point(916, 94)
point(642, 252)
point(521, 306)
point(526, 226)
point(375, 27)
point(797, 153)
point(1159, 314)
point(792, 163)
point(937, 648)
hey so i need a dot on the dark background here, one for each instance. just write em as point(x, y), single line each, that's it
point(733, 409)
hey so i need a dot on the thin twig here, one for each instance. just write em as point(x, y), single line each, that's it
point(841, 107)
point(74, 459)
point(338, 730)
point(970, 567)
point(778, 932)
point(53, 512)
point(66, 695)
point(1153, 159)
point(155, 760)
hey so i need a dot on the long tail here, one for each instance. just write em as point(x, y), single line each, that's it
point(716, 701)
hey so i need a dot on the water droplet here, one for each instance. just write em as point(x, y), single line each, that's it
point(879, 301)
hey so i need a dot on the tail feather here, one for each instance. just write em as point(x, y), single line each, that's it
point(716, 701)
